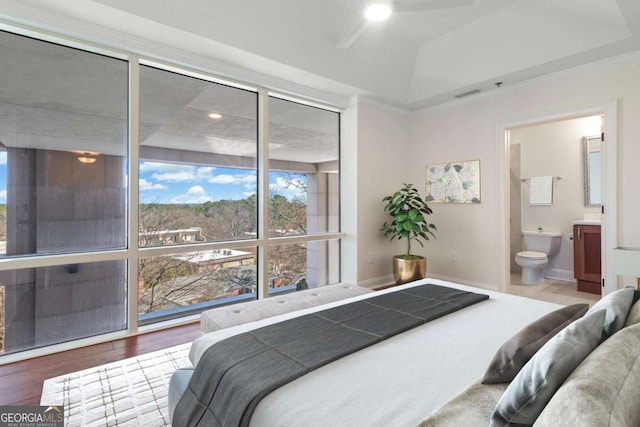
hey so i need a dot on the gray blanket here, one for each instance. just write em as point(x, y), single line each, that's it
point(235, 374)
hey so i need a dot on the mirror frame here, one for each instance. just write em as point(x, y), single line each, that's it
point(587, 171)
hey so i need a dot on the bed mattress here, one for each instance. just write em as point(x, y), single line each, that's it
point(397, 382)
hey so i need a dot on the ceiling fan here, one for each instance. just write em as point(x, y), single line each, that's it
point(379, 10)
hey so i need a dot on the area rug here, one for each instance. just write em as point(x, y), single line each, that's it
point(130, 392)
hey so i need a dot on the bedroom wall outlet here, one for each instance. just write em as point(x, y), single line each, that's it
point(452, 256)
point(371, 258)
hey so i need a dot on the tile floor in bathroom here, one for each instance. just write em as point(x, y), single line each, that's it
point(551, 290)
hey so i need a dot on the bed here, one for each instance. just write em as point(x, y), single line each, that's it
point(398, 381)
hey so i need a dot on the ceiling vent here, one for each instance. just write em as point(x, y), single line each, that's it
point(471, 92)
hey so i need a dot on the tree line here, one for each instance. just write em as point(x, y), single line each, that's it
point(169, 281)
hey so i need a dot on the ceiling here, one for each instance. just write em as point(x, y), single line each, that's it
point(54, 97)
point(414, 60)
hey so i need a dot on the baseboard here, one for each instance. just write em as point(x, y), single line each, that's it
point(376, 282)
point(559, 274)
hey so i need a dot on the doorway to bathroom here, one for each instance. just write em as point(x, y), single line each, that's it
point(551, 150)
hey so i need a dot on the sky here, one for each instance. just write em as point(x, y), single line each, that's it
point(173, 183)
point(188, 184)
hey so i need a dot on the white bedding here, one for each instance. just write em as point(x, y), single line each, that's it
point(400, 381)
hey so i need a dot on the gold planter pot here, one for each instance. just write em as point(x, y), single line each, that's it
point(408, 270)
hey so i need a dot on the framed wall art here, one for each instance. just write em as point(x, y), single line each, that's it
point(454, 182)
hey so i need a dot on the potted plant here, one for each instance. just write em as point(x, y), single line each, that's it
point(408, 211)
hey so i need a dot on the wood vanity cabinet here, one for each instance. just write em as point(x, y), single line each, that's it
point(586, 258)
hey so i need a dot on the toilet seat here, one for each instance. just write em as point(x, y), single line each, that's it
point(533, 264)
point(532, 255)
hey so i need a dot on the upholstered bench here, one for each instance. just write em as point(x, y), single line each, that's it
point(237, 314)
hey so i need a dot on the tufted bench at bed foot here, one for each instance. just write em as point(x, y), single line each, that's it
point(237, 314)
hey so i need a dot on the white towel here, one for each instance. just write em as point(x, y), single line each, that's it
point(541, 190)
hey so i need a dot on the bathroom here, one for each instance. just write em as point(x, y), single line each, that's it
point(556, 150)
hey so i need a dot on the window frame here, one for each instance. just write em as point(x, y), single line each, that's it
point(133, 251)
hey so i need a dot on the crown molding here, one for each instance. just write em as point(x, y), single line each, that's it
point(383, 106)
point(226, 62)
point(602, 64)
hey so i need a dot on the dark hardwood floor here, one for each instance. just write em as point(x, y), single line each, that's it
point(21, 382)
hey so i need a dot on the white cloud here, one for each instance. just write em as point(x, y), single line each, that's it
point(289, 188)
point(145, 185)
point(185, 176)
point(171, 172)
point(194, 195)
point(3, 159)
point(3, 196)
point(205, 172)
point(168, 172)
point(196, 190)
point(288, 184)
point(223, 179)
point(233, 179)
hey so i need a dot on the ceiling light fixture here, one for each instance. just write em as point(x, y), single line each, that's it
point(378, 11)
point(215, 116)
point(88, 158)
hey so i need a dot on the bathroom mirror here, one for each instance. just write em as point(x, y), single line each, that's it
point(592, 171)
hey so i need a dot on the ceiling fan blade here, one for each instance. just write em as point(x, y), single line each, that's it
point(353, 34)
point(416, 5)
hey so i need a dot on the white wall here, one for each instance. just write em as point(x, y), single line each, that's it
point(453, 135)
point(555, 149)
point(377, 168)
point(467, 130)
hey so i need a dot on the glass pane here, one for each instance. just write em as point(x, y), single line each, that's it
point(198, 145)
point(299, 266)
point(181, 284)
point(63, 133)
point(303, 169)
point(51, 305)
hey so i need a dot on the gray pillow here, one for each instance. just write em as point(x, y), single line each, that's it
point(603, 390)
point(513, 354)
point(535, 384)
point(633, 316)
point(617, 306)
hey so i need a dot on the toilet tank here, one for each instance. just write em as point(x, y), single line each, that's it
point(542, 241)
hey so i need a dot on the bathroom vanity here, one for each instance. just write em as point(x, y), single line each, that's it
point(587, 256)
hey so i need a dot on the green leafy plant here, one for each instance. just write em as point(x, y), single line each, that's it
point(408, 211)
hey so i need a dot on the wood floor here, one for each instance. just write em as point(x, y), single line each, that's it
point(21, 382)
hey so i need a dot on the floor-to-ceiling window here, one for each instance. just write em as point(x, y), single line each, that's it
point(63, 129)
point(204, 193)
point(303, 194)
point(197, 186)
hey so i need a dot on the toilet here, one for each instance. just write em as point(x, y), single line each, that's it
point(539, 247)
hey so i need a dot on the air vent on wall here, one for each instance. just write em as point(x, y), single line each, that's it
point(471, 92)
